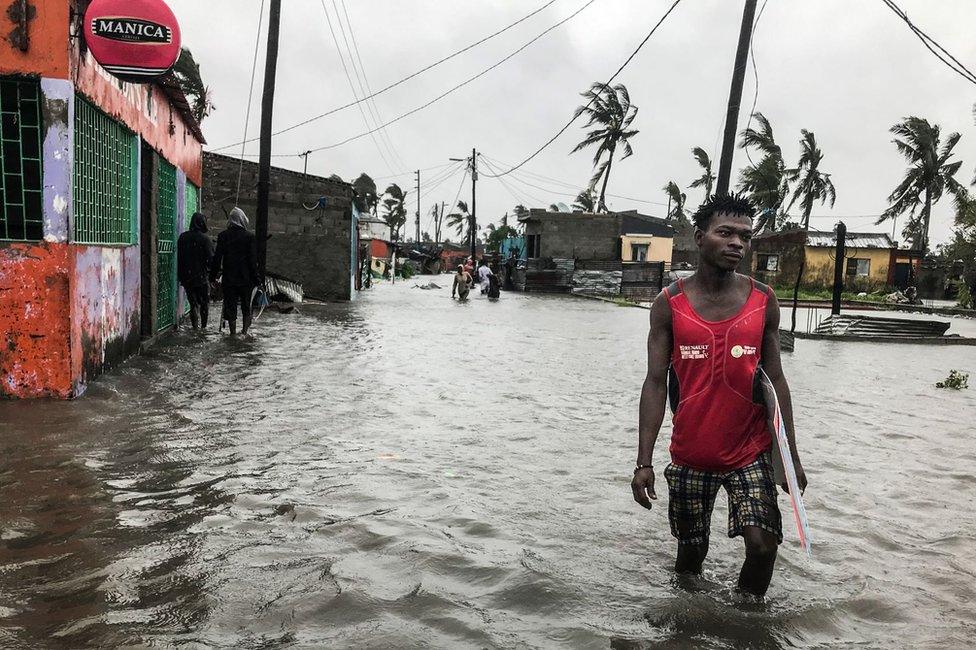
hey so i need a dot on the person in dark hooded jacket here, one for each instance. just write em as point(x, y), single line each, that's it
point(235, 260)
point(194, 254)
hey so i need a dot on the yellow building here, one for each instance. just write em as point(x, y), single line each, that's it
point(641, 247)
point(868, 259)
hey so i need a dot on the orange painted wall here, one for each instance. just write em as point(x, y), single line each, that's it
point(47, 53)
point(34, 320)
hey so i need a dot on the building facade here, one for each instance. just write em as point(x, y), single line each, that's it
point(311, 227)
point(872, 261)
point(616, 236)
point(98, 176)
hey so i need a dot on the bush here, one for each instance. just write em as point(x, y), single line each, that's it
point(407, 271)
point(956, 381)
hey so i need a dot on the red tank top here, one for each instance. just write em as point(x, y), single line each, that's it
point(716, 424)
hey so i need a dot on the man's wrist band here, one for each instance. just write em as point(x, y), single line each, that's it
point(640, 467)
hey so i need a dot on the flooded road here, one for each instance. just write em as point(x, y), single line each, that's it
point(409, 471)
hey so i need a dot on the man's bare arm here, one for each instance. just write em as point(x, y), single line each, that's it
point(653, 397)
point(773, 366)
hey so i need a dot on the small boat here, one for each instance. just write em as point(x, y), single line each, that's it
point(878, 327)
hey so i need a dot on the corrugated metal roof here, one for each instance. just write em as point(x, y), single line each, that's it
point(854, 240)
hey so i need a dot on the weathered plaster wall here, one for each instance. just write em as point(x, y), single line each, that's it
point(47, 54)
point(104, 294)
point(58, 120)
point(34, 320)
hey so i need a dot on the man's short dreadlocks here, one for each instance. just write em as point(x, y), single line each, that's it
point(730, 203)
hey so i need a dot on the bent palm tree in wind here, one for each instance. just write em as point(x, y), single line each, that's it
point(707, 179)
point(765, 181)
point(813, 185)
point(609, 109)
point(365, 197)
point(394, 213)
point(584, 201)
point(676, 202)
point(461, 221)
point(929, 176)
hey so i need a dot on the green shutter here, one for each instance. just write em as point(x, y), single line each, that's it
point(166, 246)
point(21, 185)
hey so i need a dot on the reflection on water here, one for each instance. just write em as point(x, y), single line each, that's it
point(407, 470)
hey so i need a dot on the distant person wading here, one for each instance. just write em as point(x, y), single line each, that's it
point(194, 256)
point(235, 262)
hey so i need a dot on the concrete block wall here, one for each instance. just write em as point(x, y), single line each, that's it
point(595, 237)
point(311, 242)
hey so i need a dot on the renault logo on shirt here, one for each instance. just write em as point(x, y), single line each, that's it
point(742, 350)
point(694, 351)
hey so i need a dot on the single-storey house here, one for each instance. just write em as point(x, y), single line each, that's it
point(613, 236)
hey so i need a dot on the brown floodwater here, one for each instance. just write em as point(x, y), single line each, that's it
point(408, 471)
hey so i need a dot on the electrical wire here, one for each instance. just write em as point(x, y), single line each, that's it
point(404, 79)
point(372, 102)
point(755, 72)
point(250, 95)
point(363, 82)
point(423, 169)
point(439, 180)
point(955, 65)
point(592, 99)
point(532, 198)
point(352, 88)
point(519, 198)
point(463, 83)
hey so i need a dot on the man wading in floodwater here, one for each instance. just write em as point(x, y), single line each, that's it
point(710, 332)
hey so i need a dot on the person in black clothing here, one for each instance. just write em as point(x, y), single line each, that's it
point(194, 253)
point(236, 259)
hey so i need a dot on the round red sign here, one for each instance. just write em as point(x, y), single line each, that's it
point(133, 39)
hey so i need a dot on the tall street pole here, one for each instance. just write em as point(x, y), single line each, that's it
point(735, 98)
point(418, 206)
point(264, 163)
point(474, 203)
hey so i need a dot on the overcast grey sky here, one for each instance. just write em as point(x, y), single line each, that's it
point(844, 69)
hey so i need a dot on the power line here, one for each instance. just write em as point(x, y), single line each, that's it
point(364, 82)
point(955, 65)
point(404, 79)
point(250, 94)
point(433, 184)
point(532, 198)
point(755, 72)
point(352, 88)
point(423, 169)
point(592, 99)
point(462, 84)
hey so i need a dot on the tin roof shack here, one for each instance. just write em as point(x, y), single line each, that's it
point(868, 261)
point(99, 176)
point(313, 238)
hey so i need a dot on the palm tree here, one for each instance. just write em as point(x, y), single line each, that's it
point(394, 212)
point(610, 109)
point(707, 179)
point(765, 182)
point(461, 221)
point(929, 176)
point(676, 202)
point(365, 198)
point(584, 201)
point(187, 73)
point(813, 185)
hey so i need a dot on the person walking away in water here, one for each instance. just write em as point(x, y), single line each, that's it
point(484, 273)
point(235, 262)
point(711, 333)
point(462, 283)
point(194, 254)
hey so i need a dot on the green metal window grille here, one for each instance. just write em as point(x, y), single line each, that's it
point(166, 246)
point(21, 215)
point(192, 205)
point(104, 178)
point(192, 201)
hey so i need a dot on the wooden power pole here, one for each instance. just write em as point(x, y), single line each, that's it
point(264, 162)
point(735, 98)
point(474, 202)
point(418, 206)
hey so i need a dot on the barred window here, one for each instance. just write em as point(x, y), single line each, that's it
point(192, 201)
point(104, 178)
point(21, 186)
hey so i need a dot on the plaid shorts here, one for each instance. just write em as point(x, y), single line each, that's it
point(752, 500)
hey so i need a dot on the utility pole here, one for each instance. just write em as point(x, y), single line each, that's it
point(839, 253)
point(474, 202)
point(735, 98)
point(304, 155)
point(418, 206)
point(267, 109)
